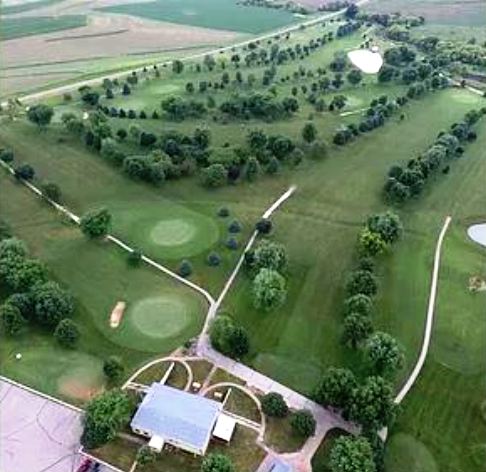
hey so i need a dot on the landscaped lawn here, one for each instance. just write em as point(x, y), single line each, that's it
point(215, 14)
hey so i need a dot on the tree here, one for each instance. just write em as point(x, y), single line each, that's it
point(41, 115)
point(135, 257)
point(303, 423)
point(51, 303)
point(113, 368)
point(354, 77)
point(370, 244)
point(357, 328)
point(214, 462)
point(273, 404)
point(228, 338)
point(270, 255)
point(352, 454)
point(361, 281)
point(213, 259)
point(336, 388)
point(66, 333)
point(6, 155)
point(24, 171)
point(12, 320)
point(387, 225)
point(358, 303)
point(234, 227)
point(384, 353)
point(177, 66)
point(309, 132)
point(269, 290)
point(126, 90)
point(372, 404)
point(214, 175)
point(352, 11)
point(264, 226)
point(51, 191)
point(146, 455)
point(105, 415)
point(96, 223)
point(185, 268)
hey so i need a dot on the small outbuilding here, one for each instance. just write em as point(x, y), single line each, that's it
point(171, 416)
point(225, 427)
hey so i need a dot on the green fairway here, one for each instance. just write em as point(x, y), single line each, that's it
point(11, 28)
point(215, 14)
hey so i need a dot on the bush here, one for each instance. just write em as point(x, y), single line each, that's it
point(303, 423)
point(66, 333)
point(135, 258)
point(214, 462)
point(232, 244)
point(113, 368)
point(12, 320)
point(223, 212)
point(146, 455)
point(185, 268)
point(264, 226)
point(213, 259)
point(6, 155)
point(234, 226)
point(24, 171)
point(96, 223)
point(51, 191)
point(273, 404)
point(361, 282)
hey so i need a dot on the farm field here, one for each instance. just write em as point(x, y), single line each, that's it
point(98, 277)
point(213, 14)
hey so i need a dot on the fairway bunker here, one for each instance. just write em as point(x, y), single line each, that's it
point(173, 232)
point(161, 317)
point(368, 61)
point(478, 233)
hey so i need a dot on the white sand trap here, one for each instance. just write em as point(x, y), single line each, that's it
point(117, 314)
point(366, 60)
point(478, 233)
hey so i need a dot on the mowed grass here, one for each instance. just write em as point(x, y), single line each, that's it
point(441, 421)
point(11, 28)
point(98, 276)
point(214, 14)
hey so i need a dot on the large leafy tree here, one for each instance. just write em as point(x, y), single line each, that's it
point(229, 338)
point(41, 115)
point(270, 255)
point(51, 303)
point(96, 223)
point(105, 416)
point(384, 353)
point(11, 319)
point(372, 404)
point(269, 291)
point(303, 423)
point(352, 454)
point(273, 404)
point(336, 388)
point(217, 463)
point(357, 328)
point(67, 333)
point(387, 225)
point(361, 282)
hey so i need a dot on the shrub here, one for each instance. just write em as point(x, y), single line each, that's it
point(264, 226)
point(234, 226)
point(223, 212)
point(96, 223)
point(12, 320)
point(214, 462)
point(6, 155)
point(273, 404)
point(113, 368)
point(135, 257)
point(361, 282)
point(213, 259)
point(232, 244)
point(24, 171)
point(303, 423)
point(51, 191)
point(66, 333)
point(185, 268)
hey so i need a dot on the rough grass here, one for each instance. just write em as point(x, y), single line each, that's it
point(12, 28)
point(214, 14)
point(280, 436)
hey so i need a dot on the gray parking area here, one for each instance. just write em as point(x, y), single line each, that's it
point(36, 434)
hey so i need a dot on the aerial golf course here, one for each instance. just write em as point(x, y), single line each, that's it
point(196, 224)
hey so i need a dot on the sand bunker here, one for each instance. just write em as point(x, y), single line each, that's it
point(117, 314)
point(478, 233)
point(368, 61)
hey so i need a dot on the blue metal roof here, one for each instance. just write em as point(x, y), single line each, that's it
point(279, 466)
point(177, 415)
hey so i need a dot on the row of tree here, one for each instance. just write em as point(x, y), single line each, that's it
point(408, 181)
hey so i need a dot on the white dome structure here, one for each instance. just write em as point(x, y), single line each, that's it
point(368, 61)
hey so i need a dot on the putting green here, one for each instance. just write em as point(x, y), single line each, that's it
point(173, 232)
point(161, 317)
point(165, 229)
point(404, 453)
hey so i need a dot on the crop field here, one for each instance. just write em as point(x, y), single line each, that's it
point(213, 14)
point(12, 28)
